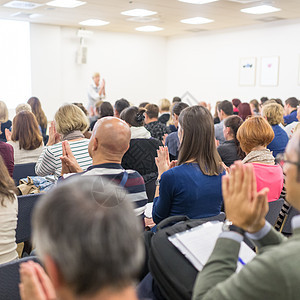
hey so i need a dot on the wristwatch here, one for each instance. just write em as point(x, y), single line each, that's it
point(228, 226)
point(157, 182)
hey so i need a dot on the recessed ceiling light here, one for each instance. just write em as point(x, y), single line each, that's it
point(149, 28)
point(22, 4)
point(93, 22)
point(66, 3)
point(198, 1)
point(138, 13)
point(196, 21)
point(261, 9)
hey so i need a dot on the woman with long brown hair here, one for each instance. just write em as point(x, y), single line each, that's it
point(192, 188)
point(41, 118)
point(25, 138)
point(8, 216)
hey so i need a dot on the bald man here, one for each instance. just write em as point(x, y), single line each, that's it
point(109, 142)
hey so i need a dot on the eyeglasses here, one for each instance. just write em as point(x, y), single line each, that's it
point(280, 160)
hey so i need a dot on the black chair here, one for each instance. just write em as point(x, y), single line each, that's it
point(26, 204)
point(286, 226)
point(10, 278)
point(23, 170)
point(274, 210)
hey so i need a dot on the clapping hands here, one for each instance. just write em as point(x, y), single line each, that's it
point(163, 161)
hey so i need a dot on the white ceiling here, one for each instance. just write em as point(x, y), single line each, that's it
point(225, 13)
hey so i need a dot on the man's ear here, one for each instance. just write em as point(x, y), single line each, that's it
point(53, 272)
point(95, 144)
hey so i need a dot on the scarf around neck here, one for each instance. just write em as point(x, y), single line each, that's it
point(76, 134)
point(140, 133)
point(263, 156)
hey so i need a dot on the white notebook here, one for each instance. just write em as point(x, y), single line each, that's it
point(198, 243)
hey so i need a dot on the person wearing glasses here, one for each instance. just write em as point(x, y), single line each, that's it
point(274, 272)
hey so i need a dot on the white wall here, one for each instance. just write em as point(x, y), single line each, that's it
point(133, 65)
point(206, 64)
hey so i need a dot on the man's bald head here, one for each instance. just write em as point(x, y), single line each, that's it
point(111, 137)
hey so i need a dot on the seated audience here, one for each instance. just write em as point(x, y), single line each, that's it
point(230, 150)
point(225, 109)
point(216, 117)
point(263, 100)
point(176, 99)
point(142, 151)
point(273, 113)
point(108, 144)
point(41, 118)
point(103, 110)
point(143, 104)
point(193, 188)
point(172, 140)
point(290, 129)
point(290, 109)
point(22, 107)
point(254, 135)
point(236, 102)
point(254, 105)
point(244, 111)
point(25, 138)
point(8, 216)
point(164, 110)
point(7, 154)
point(157, 129)
point(69, 124)
point(91, 249)
point(120, 105)
point(4, 122)
point(274, 272)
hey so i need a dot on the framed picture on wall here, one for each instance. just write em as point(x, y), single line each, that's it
point(269, 71)
point(247, 71)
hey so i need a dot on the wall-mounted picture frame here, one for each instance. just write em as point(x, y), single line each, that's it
point(269, 71)
point(247, 71)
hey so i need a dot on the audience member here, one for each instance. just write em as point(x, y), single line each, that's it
point(263, 100)
point(157, 129)
point(172, 140)
point(176, 99)
point(216, 117)
point(244, 111)
point(22, 107)
point(164, 110)
point(142, 151)
point(69, 124)
point(81, 106)
point(254, 105)
point(199, 169)
point(41, 118)
point(120, 105)
point(225, 109)
point(236, 102)
point(103, 110)
point(25, 138)
point(143, 104)
point(8, 216)
point(254, 135)
point(7, 154)
point(230, 150)
point(108, 144)
point(290, 129)
point(91, 249)
point(273, 273)
point(290, 109)
point(279, 101)
point(273, 113)
point(4, 122)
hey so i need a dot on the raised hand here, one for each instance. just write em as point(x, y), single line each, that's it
point(163, 161)
point(54, 137)
point(68, 160)
point(244, 206)
point(8, 134)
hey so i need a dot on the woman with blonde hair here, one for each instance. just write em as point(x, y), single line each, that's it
point(25, 138)
point(164, 109)
point(69, 125)
point(273, 113)
point(41, 118)
point(4, 122)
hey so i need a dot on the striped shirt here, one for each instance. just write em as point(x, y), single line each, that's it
point(134, 185)
point(49, 162)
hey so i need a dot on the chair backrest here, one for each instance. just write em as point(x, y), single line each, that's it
point(26, 204)
point(150, 189)
point(287, 227)
point(23, 170)
point(274, 210)
point(10, 278)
